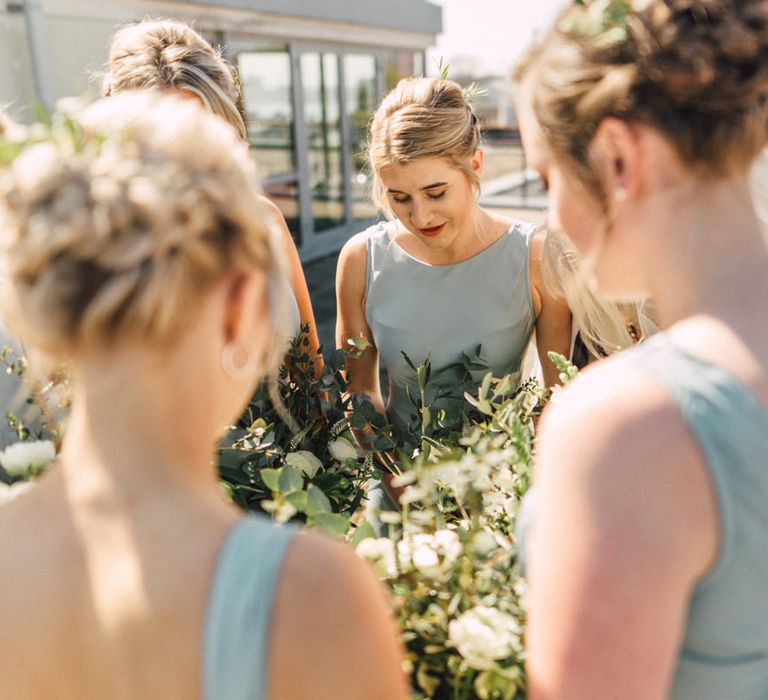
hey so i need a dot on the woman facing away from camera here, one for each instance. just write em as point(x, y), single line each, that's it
point(648, 561)
point(140, 256)
point(442, 275)
point(170, 55)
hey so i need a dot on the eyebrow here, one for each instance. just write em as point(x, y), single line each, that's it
point(433, 186)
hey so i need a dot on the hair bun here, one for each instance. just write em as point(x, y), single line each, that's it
point(708, 55)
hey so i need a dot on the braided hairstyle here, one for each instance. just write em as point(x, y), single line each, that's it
point(163, 54)
point(422, 118)
point(120, 225)
point(696, 70)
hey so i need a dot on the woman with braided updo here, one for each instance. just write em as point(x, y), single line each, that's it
point(442, 275)
point(648, 560)
point(135, 249)
point(169, 55)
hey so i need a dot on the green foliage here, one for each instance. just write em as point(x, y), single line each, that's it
point(60, 129)
point(452, 565)
point(308, 468)
point(606, 20)
point(46, 399)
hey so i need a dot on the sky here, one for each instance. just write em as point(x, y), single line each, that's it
point(487, 36)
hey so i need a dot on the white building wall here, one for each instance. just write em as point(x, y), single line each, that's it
point(16, 84)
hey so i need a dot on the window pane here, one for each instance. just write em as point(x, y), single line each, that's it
point(266, 84)
point(320, 85)
point(398, 66)
point(362, 97)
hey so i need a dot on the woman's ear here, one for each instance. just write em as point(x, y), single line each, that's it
point(616, 153)
point(247, 322)
point(476, 161)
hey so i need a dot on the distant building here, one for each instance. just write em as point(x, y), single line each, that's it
point(312, 72)
point(495, 103)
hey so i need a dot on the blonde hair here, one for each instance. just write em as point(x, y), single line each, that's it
point(119, 225)
point(422, 118)
point(603, 325)
point(696, 71)
point(163, 54)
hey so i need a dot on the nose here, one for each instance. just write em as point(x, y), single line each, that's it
point(421, 213)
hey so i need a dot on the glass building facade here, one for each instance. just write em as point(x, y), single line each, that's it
point(311, 75)
point(307, 109)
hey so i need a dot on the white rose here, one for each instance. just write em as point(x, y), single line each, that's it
point(342, 449)
point(8, 493)
point(484, 543)
point(484, 635)
point(25, 457)
point(380, 551)
point(304, 461)
point(430, 554)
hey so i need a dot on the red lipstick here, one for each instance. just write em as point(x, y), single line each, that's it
point(433, 231)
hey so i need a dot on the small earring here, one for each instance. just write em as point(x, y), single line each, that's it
point(619, 193)
point(231, 368)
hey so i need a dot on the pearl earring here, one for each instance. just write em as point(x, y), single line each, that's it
point(619, 193)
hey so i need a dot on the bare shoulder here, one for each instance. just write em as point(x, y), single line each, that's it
point(355, 248)
point(352, 263)
point(610, 402)
point(332, 620)
point(270, 207)
point(616, 441)
point(274, 213)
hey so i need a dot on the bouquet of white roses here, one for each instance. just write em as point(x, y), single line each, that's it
point(450, 561)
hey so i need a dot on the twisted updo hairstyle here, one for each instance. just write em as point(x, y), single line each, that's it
point(422, 118)
point(117, 227)
point(695, 70)
point(163, 54)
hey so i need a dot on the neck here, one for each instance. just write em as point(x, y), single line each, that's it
point(705, 254)
point(138, 427)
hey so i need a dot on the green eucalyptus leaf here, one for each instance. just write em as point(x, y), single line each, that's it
point(291, 479)
point(298, 499)
point(271, 478)
point(331, 523)
point(362, 532)
point(317, 501)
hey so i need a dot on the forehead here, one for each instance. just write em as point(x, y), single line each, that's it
point(418, 173)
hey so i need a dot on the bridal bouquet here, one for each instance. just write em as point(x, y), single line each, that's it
point(450, 560)
point(292, 454)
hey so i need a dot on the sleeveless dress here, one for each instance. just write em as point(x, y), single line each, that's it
point(237, 627)
point(416, 308)
point(724, 653)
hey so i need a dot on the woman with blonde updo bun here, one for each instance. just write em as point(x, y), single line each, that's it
point(442, 275)
point(647, 558)
point(170, 55)
point(135, 249)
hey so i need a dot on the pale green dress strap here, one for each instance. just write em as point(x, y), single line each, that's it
point(237, 629)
